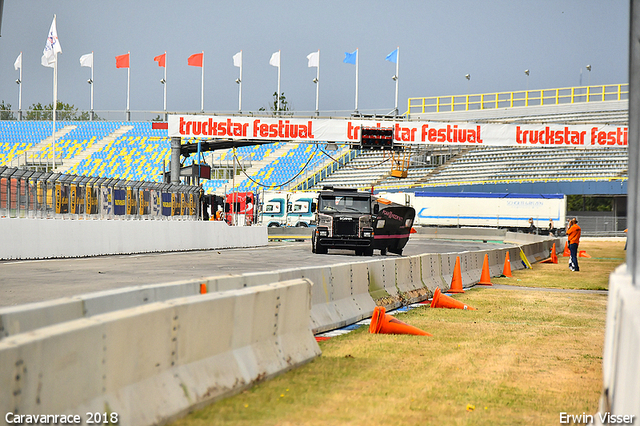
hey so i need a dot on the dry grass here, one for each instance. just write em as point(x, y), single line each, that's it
point(520, 359)
point(593, 275)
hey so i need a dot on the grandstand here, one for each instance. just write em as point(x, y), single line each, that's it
point(134, 151)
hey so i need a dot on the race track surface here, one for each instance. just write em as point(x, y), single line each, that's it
point(40, 280)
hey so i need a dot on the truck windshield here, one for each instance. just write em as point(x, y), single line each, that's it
point(345, 204)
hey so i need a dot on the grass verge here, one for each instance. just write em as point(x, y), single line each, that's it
point(520, 359)
point(593, 275)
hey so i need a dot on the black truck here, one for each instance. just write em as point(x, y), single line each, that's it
point(344, 221)
point(349, 219)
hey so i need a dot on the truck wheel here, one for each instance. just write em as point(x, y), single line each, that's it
point(383, 251)
point(302, 225)
point(273, 225)
point(368, 252)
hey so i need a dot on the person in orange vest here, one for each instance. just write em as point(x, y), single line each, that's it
point(573, 233)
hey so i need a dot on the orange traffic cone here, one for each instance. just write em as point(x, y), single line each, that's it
point(381, 323)
point(443, 301)
point(566, 252)
point(506, 271)
point(583, 253)
point(203, 288)
point(485, 277)
point(554, 256)
point(456, 280)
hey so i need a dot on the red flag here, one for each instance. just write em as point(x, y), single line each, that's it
point(195, 60)
point(122, 61)
point(161, 59)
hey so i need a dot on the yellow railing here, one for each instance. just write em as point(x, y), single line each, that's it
point(523, 98)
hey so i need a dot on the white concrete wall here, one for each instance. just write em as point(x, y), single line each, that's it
point(153, 363)
point(51, 238)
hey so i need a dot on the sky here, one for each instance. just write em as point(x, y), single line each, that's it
point(440, 41)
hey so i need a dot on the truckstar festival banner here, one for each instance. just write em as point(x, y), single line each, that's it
point(414, 132)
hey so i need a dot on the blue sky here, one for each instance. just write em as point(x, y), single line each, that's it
point(440, 41)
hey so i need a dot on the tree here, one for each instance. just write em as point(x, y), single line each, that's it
point(284, 105)
point(64, 112)
point(5, 111)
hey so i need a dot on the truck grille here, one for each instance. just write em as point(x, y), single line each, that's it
point(345, 228)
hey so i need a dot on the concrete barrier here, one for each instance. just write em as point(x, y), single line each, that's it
point(342, 294)
point(620, 366)
point(199, 349)
point(50, 238)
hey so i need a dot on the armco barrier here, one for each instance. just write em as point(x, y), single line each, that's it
point(152, 363)
point(50, 238)
point(343, 294)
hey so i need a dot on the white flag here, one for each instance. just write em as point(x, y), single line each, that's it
point(237, 59)
point(18, 63)
point(51, 47)
point(314, 59)
point(275, 59)
point(86, 60)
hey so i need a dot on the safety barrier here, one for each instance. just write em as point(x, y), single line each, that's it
point(342, 294)
point(39, 194)
point(150, 364)
point(621, 386)
point(79, 238)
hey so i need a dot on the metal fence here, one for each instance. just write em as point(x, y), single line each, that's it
point(36, 194)
point(600, 225)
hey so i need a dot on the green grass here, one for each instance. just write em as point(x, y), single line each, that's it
point(520, 359)
point(593, 274)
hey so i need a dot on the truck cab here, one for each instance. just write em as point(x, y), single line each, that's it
point(274, 209)
point(301, 208)
point(344, 221)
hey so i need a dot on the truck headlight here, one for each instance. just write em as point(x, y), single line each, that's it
point(323, 232)
point(367, 233)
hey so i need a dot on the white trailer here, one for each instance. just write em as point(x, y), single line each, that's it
point(511, 211)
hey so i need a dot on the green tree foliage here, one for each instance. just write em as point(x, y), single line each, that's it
point(579, 203)
point(285, 108)
point(5, 111)
point(64, 112)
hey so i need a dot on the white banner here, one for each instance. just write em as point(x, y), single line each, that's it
point(413, 132)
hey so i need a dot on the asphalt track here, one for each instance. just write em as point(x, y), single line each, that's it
point(39, 280)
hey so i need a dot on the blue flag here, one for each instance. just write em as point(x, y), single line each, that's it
point(392, 57)
point(350, 58)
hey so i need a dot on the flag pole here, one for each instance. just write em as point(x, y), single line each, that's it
point(91, 115)
point(20, 91)
point(240, 86)
point(317, 83)
point(202, 86)
point(397, 78)
point(55, 99)
point(165, 85)
point(357, 59)
point(128, 87)
point(278, 94)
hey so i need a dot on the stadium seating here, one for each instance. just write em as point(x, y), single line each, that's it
point(140, 153)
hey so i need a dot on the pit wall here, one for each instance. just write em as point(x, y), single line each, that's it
point(154, 363)
point(342, 294)
point(54, 238)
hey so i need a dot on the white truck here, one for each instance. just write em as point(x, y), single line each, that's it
point(507, 210)
point(301, 208)
point(284, 208)
point(274, 208)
